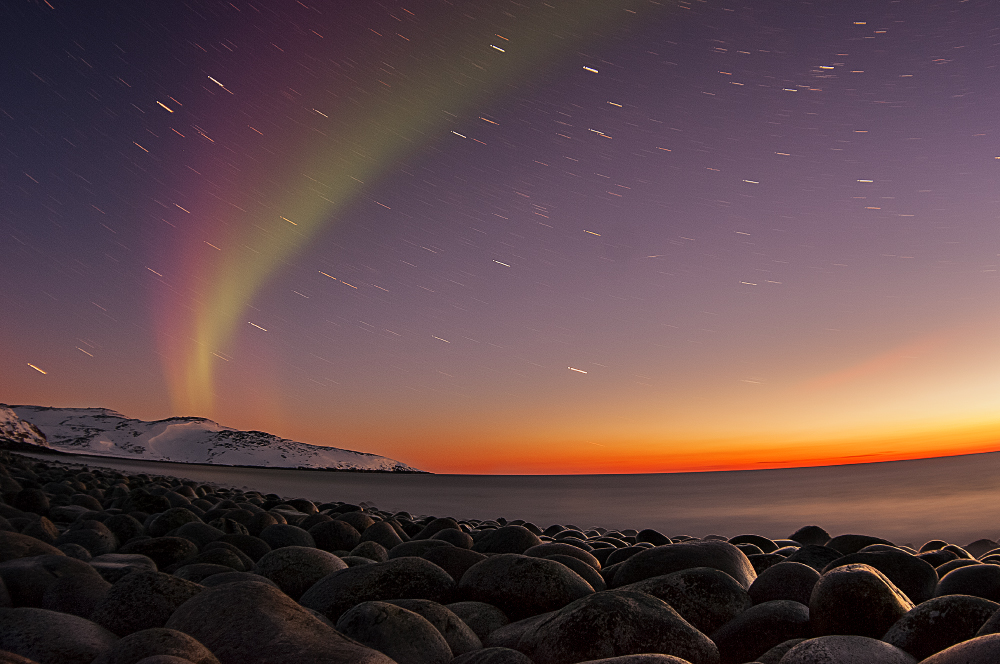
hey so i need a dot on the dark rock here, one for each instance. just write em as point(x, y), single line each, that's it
point(944, 568)
point(401, 578)
point(764, 544)
point(760, 628)
point(481, 617)
point(113, 566)
point(813, 535)
point(846, 544)
point(296, 568)
point(94, 536)
point(359, 520)
point(522, 586)
point(654, 537)
point(31, 500)
point(785, 580)
point(508, 539)
point(705, 597)
point(372, 551)
point(762, 561)
point(7, 657)
point(27, 579)
point(913, 576)
point(846, 649)
point(980, 580)
point(140, 500)
point(236, 577)
point(171, 519)
point(453, 560)
point(401, 634)
point(382, 533)
point(42, 529)
point(199, 533)
point(553, 548)
point(15, 545)
point(959, 551)
point(254, 547)
point(939, 623)
point(981, 546)
point(164, 551)
point(455, 537)
point(980, 650)
point(142, 600)
point(75, 594)
point(937, 558)
point(224, 554)
point(814, 555)
point(589, 574)
point(75, 551)
point(416, 547)
point(615, 623)
point(493, 655)
point(856, 600)
point(259, 522)
point(50, 637)
point(661, 560)
point(335, 535)
point(124, 527)
point(460, 637)
point(157, 641)
point(198, 572)
point(436, 526)
point(253, 623)
point(279, 535)
point(774, 655)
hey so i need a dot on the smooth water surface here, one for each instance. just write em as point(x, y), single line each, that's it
point(954, 498)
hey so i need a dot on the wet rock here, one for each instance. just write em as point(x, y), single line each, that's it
point(253, 623)
point(279, 535)
point(482, 618)
point(49, 637)
point(113, 566)
point(164, 551)
point(459, 636)
point(913, 576)
point(453, 560)
point(846, 649)
point(661, 560)
point(705, 597)
point(760, 628)
point(401, 578)
point(856, 600)
point(981, 649)
point(611, 624)
point(296, 568)
point(522, 586)
point(939, 623)
point(980, 580)
point(15, 545)
point(495, 655)
point(507, 539)
point(785, 580)
point(335, 535)
point(157, 641)
point(142, 600)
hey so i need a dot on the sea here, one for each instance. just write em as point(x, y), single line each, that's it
point(956, 498)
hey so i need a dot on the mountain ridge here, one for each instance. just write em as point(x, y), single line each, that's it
point(183, 439)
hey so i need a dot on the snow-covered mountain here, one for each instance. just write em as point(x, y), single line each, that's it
point(103, 432)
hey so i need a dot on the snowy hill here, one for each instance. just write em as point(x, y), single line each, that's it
point(103, 432)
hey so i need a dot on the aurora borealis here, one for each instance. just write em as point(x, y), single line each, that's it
point(512, 237)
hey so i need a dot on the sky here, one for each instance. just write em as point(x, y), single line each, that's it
point(489, 236)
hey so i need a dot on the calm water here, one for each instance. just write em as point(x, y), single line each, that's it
point(954, 498)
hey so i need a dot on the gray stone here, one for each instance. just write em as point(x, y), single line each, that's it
point(522, 586)
point(164, 551)
point(279, 535)
point(508, 539)
point(113, 566)
point(335, 535)
point(668, 558)
point(254, 623)
point(15, 545)
point(296, 568)
point(981, 580)
point(793, 581)
point(460, 637)
point(856, 600)
point(49, 637)
point(611, 624)
point(157, 641)
point(494, 655)
point(401, 578)
point(980, 650)
point(910, 574)
point(760, 628)
point(847, 649)
point(940, 623)
point(706, 597)
point(142, 600)
point(403, 635)
point(481, 617)
point(75, 594)
point(27, 579)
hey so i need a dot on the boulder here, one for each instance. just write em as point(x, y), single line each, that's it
point(28, 579)
point(481, 617)
point(254, 623)
point(940, 623)
point(401, 578)
point(296, 568)
point(522, 586)
point(279, 535)
point(981, 649)
point(661, 560)
point(846, 544)
point(507, 539)
point(558, 548)
point(75, 594)
point(49, 637)
point(15, 545)
point(460, 637)
point(910, 574)
point(142, 600)
point(494, 655)
point(113, 566)
point(784, 580)
point(810, 535)
point(979, 580)
point(453, 560)
point(164, 551)
point(704, 596)
point(760, 628)
point(403, 635)
point(611, 624)
point(335, 535)
point(856, 600)
point(846, 649)
point(157, 641)
point(814, 555)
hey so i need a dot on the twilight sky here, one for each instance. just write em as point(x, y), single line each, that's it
point(511, 237)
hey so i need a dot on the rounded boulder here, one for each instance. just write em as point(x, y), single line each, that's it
point(669, 558)
point(522, 586)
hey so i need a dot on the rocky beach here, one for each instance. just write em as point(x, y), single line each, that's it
point(98, 565)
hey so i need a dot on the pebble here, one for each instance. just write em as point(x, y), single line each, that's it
point(199, 574)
